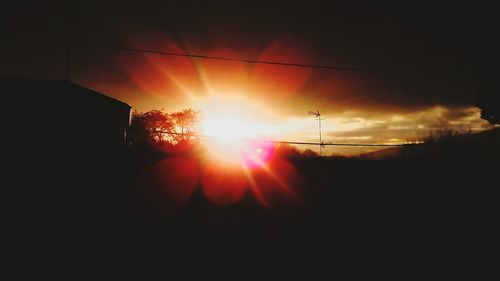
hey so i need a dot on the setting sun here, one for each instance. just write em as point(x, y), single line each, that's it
point(228, 131)
point(235, 129)
point(230, 119)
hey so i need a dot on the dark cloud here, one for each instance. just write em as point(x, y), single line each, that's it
point(389, 92)
point(428, 37)
point(361, 127)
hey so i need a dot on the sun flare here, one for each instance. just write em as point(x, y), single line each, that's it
point(230, 119)
point(235, 129)
point(231, 130)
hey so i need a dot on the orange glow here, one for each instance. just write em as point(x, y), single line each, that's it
point(163, 189)
point(231, 125)
point(237, 160)
point(231, 118)
point(230, 131)
point(177, 82)
point(223, 184)
point(275, 184)
point(272, 180)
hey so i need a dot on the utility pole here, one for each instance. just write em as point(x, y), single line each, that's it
point(68, 40)
point(318, 116)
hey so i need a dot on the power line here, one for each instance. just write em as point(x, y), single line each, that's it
point(296, 142)
point(267, 62)
point(340, 144)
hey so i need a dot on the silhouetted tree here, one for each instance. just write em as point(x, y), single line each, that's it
point(184, 125)
point(158, 127)
point(490, 109)
point(290, 151)
point(309, 153)
point(488, 99)
point(286, 150)
point(445, 136)
point(157, 124)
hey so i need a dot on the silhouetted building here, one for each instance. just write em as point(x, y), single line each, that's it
point(60, 115)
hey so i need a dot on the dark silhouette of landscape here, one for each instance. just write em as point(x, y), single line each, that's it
point(445, 144)
point(108, 157)
point(80, 181)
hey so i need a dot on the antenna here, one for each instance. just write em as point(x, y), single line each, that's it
point(68, 40)
point(316, 113)
point(318, 116)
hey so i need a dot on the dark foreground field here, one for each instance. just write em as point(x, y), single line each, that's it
point(430, 209)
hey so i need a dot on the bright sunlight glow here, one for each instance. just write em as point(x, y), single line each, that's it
point(233, 119)
point(235, 128)
point(231, 130)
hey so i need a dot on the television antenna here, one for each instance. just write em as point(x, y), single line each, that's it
point(318, 116)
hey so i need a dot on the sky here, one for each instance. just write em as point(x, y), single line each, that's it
point(449, 44)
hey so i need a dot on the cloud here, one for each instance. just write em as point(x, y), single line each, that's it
point(383, 128)
point(368, 127)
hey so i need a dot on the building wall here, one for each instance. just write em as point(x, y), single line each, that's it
point(62, 115)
